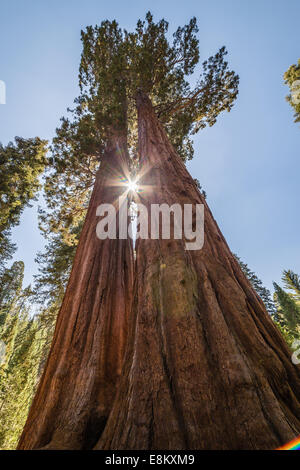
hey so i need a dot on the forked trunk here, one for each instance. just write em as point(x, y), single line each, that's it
point(205, 367)
point(78, 385)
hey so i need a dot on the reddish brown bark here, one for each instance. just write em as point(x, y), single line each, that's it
point(205, 367)
point(78, 385)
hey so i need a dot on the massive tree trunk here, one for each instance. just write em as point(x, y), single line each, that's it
point(205, 367)
point(78, 385)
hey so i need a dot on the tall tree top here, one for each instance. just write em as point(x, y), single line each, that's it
point(114, 65)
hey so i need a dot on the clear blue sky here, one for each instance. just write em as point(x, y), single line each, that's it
point(248, 162)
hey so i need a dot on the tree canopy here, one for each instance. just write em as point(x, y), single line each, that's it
point(114, 65)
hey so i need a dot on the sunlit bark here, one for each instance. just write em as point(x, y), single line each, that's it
point(78, 385)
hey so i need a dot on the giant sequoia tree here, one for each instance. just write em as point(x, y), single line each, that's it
point(204, 366)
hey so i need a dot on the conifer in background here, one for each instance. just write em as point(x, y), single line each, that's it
point(288, 306)
point(22, 345)
point(258, 286)
point(21, 164)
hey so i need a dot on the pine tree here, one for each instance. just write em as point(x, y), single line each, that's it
point(20, 337)
point(19, 380)
point(10, 287)
point(21, 164)
point(291, 281)
point(257, 285)
point(7, 249)
point(288, 306)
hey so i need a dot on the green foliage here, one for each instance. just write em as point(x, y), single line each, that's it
point(115, 64)
point(285, 310)
point(257, 284)
point(288, 306)
point(11, 285)
point(21, 164)
point(18, 379)
point(102, 79)
point(292, 79)
point(291, 281)
point(7, 249)
point(22, 343)
point(55, 264)
point(69, 181)
point(199, 186)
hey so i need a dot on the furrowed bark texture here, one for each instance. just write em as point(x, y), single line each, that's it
point(205, 367)
point(78, 385)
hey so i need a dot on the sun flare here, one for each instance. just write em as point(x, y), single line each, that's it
point(132, 186)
